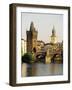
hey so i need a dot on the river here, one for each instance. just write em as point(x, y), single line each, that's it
point(40, 69)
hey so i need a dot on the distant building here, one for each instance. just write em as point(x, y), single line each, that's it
point(23, 46)
point(31, 38)
point(40, 45)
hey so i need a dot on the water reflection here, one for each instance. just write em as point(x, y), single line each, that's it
point(40, 69)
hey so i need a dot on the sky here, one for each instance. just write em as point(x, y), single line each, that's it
point(43, 23)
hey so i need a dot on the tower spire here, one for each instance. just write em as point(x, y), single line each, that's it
point(53, 31)
point(32, 28)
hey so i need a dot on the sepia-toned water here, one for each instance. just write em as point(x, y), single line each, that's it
point(40, 69)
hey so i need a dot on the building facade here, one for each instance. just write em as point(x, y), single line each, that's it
point(23, 46)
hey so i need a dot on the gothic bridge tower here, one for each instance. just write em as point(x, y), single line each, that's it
point(31, 38)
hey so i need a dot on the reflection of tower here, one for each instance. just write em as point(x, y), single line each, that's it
point(53, 36)
point(31, 38)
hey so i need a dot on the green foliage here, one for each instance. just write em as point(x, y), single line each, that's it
point(28, 58)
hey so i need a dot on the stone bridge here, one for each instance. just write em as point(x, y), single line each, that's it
point(53, 58)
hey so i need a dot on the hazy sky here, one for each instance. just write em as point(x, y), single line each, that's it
point(44, 24)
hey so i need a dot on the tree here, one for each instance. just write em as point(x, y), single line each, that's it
point(28, 58)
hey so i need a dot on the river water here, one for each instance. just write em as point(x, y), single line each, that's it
point(40, 69)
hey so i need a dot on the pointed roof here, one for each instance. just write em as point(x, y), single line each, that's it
point(53, 31)
point(32, 28)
